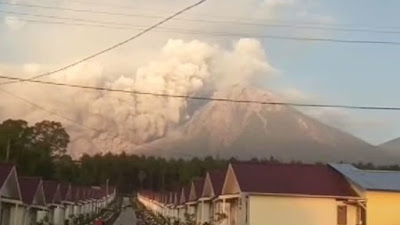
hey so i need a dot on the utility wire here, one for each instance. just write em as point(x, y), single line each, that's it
point(307, 105)
point(182, 19)
point(118, 44)
point(76, 123)
point(63, 18)
point(240, 19)
point(227, 34)
point(47, 110)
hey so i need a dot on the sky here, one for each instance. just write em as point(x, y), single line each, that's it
point(308, 72)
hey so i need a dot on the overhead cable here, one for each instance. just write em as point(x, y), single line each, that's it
point(192, 97)
point(117, 44)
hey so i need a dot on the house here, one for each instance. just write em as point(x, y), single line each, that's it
point(33, 197)
point(67, 201)
point(195, 208)
point(183, 209)
point(10, 196)
point(380, 191)
point(52, 195)
point(84, 202)
point(289, 194)
point(92, 201)
point(76, 197)
point(171, 207)
point(146, 198)
point(175, 203)
point(209, 198)
point(109, 192)
point(98, 199)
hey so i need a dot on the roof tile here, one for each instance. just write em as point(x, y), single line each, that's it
point(299, 179)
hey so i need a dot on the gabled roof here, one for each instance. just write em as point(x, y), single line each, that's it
point(9, 185)
point(170, 198)
point(65, 191)
point(291, 179)
point(217, 178)
point(52, 192)
point(32, 190)
point(5, 170)
point(370, 179)
point(75, 193)
point(184, 195)
point(176, 198)
point(83, 193)
point(196, 189)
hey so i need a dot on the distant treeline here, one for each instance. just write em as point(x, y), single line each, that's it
point(40, 150)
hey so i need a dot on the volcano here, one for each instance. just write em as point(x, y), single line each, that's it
point(245, 131)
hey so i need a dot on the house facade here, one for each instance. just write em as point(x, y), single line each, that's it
point(195, 206)
point(380, 191)
point(212, 189)
point(29, 200)
point(259, 194)
point(67, 201)
point(11, 204)
point(52, 194)
point(33, 197)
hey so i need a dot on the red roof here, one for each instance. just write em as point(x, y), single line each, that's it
point(291, 179)
point(28, 187)
point(198, 187)
point(171, 197)
point(65, 191)
point(50, 189)
point(5, 170)
point(75, 193)
point(217, 178)
point(83, 193)
point(186, 192)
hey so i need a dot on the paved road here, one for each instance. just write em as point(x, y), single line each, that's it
point(127, 216)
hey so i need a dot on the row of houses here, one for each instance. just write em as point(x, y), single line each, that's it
point(283, 194)
point(30, 200)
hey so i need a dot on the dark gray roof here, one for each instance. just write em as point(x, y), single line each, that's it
point(370, 179)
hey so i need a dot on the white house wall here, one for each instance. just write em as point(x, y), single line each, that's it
point(273, 210)
point(58, 216)
point(16, 215)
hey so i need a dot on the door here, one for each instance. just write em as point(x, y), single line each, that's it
point(5, 214)
point(233, 213)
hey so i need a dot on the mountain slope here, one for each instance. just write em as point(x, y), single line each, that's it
point(250, 130)
point(392, 147)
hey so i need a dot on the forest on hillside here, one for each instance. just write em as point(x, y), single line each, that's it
point(41, 150)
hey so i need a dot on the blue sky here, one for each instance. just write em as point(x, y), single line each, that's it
point(336, 73)
point(359, 74)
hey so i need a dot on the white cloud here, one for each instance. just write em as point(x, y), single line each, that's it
point(13, 22)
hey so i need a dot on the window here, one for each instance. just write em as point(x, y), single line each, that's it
point(342, 215)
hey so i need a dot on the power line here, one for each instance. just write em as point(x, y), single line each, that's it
point(307, 105)
point(63, 18)
point(118, 44)
point(47, 110)
point(229, 34)
point(181, 19)
point(185, 18)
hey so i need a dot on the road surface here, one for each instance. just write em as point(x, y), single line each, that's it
point(127, 216)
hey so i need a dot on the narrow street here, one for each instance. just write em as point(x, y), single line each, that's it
point(127, 216)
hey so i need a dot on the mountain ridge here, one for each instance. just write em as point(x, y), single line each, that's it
point(244, 131)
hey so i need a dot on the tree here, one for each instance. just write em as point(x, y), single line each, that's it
point(51, 137)
point(141, 177)
point(13, 138)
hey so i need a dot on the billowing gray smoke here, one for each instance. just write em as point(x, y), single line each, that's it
point(152, 63)
point(116, 122)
